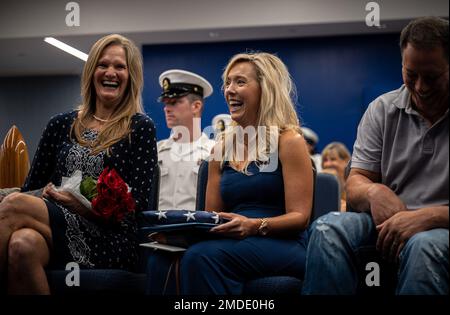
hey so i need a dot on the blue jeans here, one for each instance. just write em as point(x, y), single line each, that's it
point(331, 258)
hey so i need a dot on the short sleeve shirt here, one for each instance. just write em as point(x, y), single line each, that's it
point(411, 156)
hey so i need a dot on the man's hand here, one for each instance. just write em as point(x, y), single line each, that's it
point(384, 203)
point(398, 229)
point(65, 199)
point(238, 227)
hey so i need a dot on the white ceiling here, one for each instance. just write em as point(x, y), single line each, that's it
point(24, 24)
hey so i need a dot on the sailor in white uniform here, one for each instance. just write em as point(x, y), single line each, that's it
point(180, 155)
point(311, 141)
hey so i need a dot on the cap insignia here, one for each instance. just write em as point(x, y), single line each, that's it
point(166, 84)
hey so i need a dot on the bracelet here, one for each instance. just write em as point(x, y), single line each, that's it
point(263, 227)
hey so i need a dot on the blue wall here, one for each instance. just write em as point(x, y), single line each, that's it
point(29, 102)
point(336, 77)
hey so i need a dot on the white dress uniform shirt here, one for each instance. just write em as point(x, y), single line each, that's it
point(317, 158)
point(179, 164)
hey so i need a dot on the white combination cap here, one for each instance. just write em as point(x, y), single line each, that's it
point(310, 136)
point(178, 83)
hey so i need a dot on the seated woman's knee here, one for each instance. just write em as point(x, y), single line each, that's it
point(11, 204)
point(192, 255)
point(23, 246)
point(10, 210)
point(197, 254)
point(7, 210)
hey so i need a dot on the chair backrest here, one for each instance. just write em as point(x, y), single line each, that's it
point(326, 192)
point(326, 195)
point(348, 168)
point(202, 181)
point(154, 189)
point(152, 205)
point(14, 160)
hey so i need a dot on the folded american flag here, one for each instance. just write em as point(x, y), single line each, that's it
point(180, 228)
point(167, 217)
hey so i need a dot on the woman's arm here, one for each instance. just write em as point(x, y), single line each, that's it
point(214, 200)
point(142, 160)
point(298, 186)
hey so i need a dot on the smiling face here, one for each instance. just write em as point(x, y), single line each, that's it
point(243, 94)
point(332, 160)
point(425, 74)
point(111, 76)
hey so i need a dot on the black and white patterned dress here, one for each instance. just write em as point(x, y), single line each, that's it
point(76, 239)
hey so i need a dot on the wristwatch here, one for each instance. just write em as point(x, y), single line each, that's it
point(263, 227)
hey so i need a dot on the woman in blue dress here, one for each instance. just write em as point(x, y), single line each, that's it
point(110, 130)
point(260, 178)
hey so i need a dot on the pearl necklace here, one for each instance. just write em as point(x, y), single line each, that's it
point(99, 119)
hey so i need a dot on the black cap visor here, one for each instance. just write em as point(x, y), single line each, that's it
point(172, 94)
point(177, 90)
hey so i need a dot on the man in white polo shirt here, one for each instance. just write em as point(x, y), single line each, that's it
point(180, 155)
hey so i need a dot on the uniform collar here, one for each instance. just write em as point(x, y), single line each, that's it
point(165, 144)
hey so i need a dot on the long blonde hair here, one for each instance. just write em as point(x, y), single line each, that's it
point(118, 126)
point(276, 111)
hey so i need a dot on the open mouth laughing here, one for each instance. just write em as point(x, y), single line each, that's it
point(110, 84)
point(235, 105)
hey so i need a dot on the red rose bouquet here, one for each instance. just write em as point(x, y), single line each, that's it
point(110, 195)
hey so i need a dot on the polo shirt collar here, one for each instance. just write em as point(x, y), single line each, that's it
point(403, 101)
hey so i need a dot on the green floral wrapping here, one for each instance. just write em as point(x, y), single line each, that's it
point(88, 188)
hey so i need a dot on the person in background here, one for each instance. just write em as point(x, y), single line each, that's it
point(180, 155)
point(220, 122)
point(399, 179)
point(335, 157)
point(109, 129)
point(311, 140)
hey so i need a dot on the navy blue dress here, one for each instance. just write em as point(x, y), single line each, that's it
point(222, 266)
point(76, 239)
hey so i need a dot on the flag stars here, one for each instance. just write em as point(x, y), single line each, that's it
point(189, 215)
point(162, 214)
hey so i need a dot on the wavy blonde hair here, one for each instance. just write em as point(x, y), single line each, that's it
point(276, 108)
point(118, 125)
